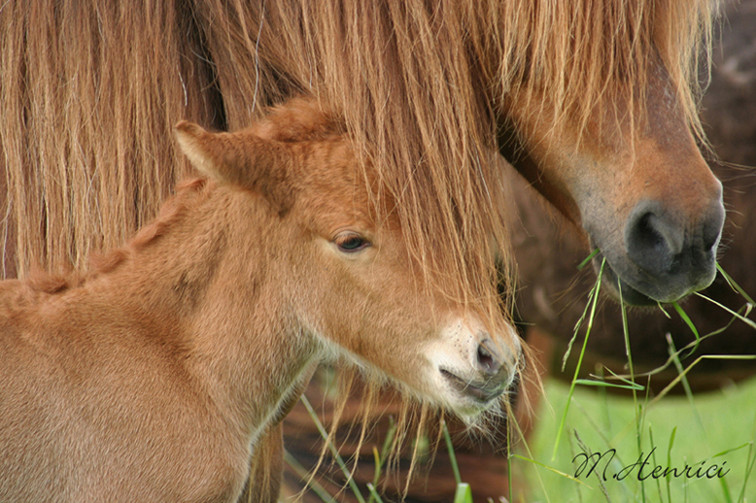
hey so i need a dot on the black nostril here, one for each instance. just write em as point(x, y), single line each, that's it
point(712, 224)
point(487, 360)
point(653, 239)
point(660, 242)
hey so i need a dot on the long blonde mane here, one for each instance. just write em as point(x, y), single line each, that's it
point(89, 93)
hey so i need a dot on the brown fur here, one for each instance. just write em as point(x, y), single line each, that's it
point(153, 376)
point(552, 294)
point(422, 88)
point(552, 288)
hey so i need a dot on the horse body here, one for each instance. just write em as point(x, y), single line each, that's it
point(152, 377)
point(127, 375)
point(107, 384)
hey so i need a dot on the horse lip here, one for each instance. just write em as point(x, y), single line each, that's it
point(629, 294)
point(479, 391)
point(632, 294)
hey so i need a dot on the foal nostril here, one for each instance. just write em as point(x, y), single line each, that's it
point(488, 362)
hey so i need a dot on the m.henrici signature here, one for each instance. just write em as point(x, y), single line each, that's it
point(587, 463)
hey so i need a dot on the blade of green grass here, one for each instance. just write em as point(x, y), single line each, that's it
point(669, 462)
point(749, 469)
point(597, 289)
point(334, 452)
point(670, 359)
point(604, 384)
point(686, 385)
point(624, 379)
point(690, 324)
point(651, 442)
point(725, 490)
point(599, 479)
point(373, 493)
point(733, 449)
point(509, 433)
point(551, 469)
point(636, 406)
point(452, 457)
point(664, 311)
point(463, 494)
point(587, 259)
point(380, 458)
point(576, 328)
point(301, 472)
point(378, 462)
point(742, 318)
point(734, 285)
point(750, 462)
point(681, 376)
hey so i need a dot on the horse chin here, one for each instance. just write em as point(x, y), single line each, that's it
point(622, 290)
point(470, 369)
point(472, 396)
point(471, 409)
point(467, 397)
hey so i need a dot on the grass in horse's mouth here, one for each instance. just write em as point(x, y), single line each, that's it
point(615, 283)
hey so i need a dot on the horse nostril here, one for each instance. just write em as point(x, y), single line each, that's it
point(660, 243)
point(653, 239)
point(487, 361)
point(713, 221)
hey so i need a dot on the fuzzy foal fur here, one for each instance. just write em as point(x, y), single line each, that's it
point(153, 376)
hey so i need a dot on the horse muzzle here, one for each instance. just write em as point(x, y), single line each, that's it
point(663, 260)
point(474, 369)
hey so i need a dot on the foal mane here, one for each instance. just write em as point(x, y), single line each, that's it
point(300, 119)
point(103, 263)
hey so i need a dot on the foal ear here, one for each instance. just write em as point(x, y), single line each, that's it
point(240, 158)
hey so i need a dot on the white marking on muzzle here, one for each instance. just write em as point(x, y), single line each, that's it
point(459, 358)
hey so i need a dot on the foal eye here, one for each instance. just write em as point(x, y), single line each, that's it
point(350, 242)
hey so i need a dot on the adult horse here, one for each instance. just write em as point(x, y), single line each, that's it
point(593, 102)
point(552, 291)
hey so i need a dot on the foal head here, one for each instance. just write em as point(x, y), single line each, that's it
point(345, 273)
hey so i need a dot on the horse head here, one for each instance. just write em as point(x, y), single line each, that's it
point(348, 277)
point(634, 180)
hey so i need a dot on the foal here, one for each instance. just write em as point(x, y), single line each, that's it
point(152, 377)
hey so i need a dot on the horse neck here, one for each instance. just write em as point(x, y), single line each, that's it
point(212, 281)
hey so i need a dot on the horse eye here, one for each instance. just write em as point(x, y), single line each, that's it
point(351, 242)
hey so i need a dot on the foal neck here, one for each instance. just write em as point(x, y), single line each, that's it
point(207, 275)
